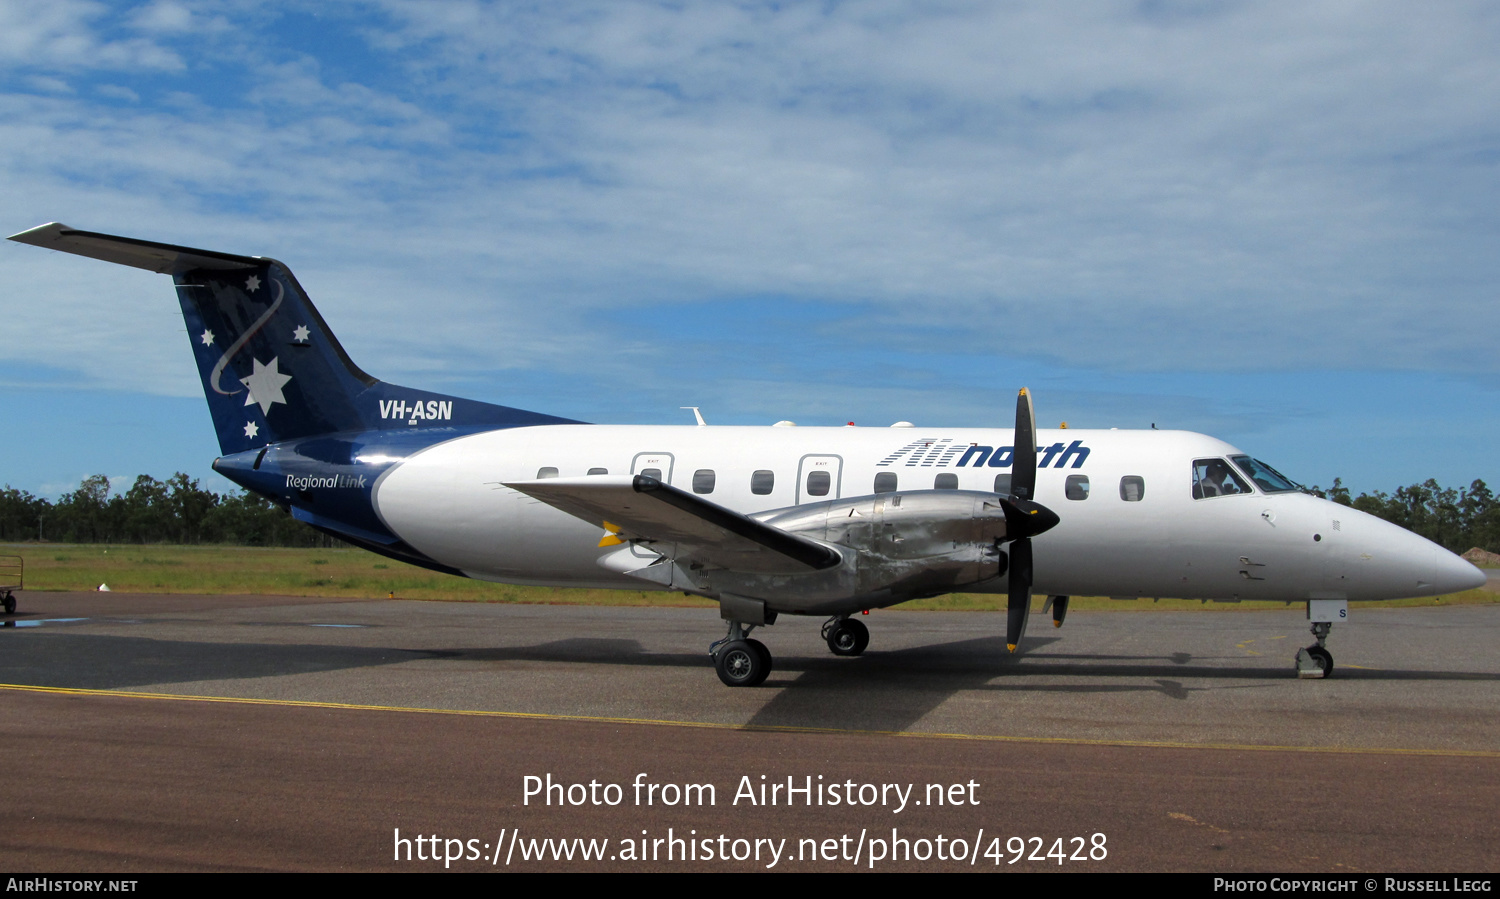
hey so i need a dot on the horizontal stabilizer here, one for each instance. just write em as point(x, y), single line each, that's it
point(156, 257)
point(637, 507)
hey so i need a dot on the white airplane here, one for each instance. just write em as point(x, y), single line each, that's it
point(765, 520)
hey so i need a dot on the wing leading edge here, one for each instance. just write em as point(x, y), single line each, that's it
point(163, 258)
point(638, 507)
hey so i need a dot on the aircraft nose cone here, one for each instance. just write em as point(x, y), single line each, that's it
point(1453, 574)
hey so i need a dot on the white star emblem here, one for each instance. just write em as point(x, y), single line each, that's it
point(251, 429)
point(300, 334)
point(264, 385)
point(207, 338)
point(252, 283)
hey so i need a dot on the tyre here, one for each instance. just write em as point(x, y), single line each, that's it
point(742, 663)
point(849, 638)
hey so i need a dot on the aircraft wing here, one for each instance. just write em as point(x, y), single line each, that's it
point(638, 507)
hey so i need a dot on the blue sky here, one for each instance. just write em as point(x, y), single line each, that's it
point(1274, 223)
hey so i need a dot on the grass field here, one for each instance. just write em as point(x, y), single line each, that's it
point(356, 573)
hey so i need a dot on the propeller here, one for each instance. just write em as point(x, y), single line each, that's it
point(1024, 518)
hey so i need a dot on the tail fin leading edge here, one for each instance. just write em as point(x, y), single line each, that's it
point(271, 368)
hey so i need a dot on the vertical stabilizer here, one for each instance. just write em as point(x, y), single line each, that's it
point(271, 369)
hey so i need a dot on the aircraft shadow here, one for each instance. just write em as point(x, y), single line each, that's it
point(889, 690)
point(99, 662)
point(892, 690)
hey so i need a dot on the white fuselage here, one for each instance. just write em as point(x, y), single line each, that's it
point(1145, 537)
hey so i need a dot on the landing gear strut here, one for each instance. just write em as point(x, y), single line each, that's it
point(846, 636)
point(740, 661)
point(1316, 661)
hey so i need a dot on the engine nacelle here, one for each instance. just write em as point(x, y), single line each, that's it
point(895, 547)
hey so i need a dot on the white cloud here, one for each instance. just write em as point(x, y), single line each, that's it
point(1145, 187)
point(164, 17)
point(49, 85)
point(116, 92)
point(61, 33)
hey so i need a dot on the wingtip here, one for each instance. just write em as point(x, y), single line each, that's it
point(39, 235)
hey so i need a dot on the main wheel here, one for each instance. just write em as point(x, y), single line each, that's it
point(743, 663)
point(10, 604)
point(1324, 659)
point(849, 638)
point(765, 656)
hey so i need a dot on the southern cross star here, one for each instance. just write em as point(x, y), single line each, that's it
point(207, 337)
point(251, 429)
point(252, 283)
point(264, 385)
point(300, 335)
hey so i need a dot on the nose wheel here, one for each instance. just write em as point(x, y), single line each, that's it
point(1316, 661)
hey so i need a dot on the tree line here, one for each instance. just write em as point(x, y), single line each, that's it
point(1456, 519)
point(178, 510)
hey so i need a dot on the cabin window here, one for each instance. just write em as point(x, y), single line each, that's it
point(548, 472)
point(945, 481)
point(1002, 484)
point(819, 483)
point(651, 473)
point(1214, 477)
point(1076, 486)
point(885, 482)
point(762, 482)
point(1132, 488)
point(598, 471)
point(703, 480)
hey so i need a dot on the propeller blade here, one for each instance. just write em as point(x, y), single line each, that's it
point(1023, 466)
point(1019, 607)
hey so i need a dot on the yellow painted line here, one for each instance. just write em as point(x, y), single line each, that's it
point(769, 728)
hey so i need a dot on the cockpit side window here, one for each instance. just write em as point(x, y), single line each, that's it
point(1214, 477)
point(1267, 478)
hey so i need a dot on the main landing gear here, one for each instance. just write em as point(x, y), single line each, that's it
point(740, 661)
point(743, 662)
point(846, 636)
point(1316, 661)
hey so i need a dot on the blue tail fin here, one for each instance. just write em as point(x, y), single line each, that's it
point(271, 368)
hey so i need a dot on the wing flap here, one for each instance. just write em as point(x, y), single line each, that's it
point(637, 507)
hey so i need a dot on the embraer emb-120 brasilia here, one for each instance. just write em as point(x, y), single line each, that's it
point(764, 520)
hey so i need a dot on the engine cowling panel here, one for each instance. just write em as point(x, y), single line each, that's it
point(895, 547)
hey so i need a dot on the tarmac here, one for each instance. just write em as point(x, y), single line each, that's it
point(163, 733)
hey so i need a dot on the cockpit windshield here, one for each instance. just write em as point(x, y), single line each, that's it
point(1269, 479)
point(1214, 477)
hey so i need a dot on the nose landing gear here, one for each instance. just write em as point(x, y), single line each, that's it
point(1316, 661)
